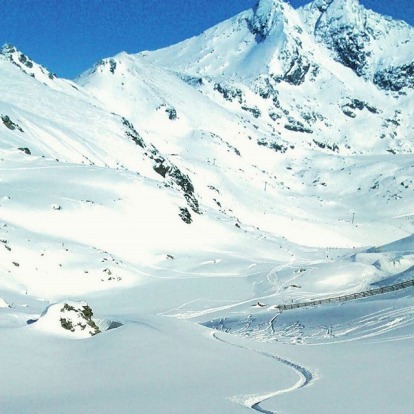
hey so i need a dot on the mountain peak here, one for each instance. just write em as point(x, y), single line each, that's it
point(15, 56)
point(268, 6)
point(362, 40)
point(10, 52)
point(267, 13)
point(337, 11)
point(25, 64)
point(323, 5)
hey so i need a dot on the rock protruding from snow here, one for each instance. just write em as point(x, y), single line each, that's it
point(165, 168)
point(395, 78)
point(26, 64)
point(69, 318)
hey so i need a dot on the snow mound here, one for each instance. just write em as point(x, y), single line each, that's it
point(107, 324)
point(69, 318)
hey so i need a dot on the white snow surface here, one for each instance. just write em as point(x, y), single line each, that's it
point(183, 194)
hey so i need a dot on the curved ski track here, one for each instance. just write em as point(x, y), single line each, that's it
point(254, 401)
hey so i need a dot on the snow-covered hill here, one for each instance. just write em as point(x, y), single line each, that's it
point(267, 161)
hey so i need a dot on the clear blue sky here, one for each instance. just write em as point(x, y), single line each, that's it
point(69, 36)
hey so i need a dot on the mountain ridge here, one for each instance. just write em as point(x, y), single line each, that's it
point(180, 196)
point(205, 135)
point(159, 119)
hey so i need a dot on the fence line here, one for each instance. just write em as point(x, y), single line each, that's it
point(352, 296)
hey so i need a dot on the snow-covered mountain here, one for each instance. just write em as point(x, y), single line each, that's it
point(267, 161)
point(373, 46)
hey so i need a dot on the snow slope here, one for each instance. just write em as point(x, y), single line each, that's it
point(179, 196)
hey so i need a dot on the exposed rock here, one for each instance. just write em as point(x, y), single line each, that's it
point(24, 63)
point(132, 133)
point(112, 66)
point(273, 145)
point(24, 59)
point(297, 126)
point(161, 168)
point(105, 64)
point(396, 78)
point(165, 168)
point(325, 145)
point(68, 318)
point(350, 48)
point(78, 318)
point(348, 112)
point(299, 67)
point(357, 104)
point(254, 111)
point(183, 181)
point(193, 80)
point(274, 116)
point(229, 93)
point(185, 215)
point(312, 117)
point(265, 87)
point(267, 13)
point(10, 124)
point(172, 113)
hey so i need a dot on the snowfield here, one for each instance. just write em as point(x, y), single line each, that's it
point(156, 211)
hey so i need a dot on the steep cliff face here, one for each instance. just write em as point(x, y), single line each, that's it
point(340, 25)
point(375, 47)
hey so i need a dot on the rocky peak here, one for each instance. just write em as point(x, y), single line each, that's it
point(340, 13)
point(267, 14)
point(16, 57)
point(25, 64)
point(341, 25)
point(319, 10)
point(280, 25)
point(322, 5)
point(363, 40)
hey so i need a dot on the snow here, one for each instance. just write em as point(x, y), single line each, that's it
point(67, 319)
point(3, 303)
point(320, 209)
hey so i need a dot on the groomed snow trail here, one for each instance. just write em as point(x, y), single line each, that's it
point(253, 401)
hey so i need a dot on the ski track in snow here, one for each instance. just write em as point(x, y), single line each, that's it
point(253, 401)
point(182, 314)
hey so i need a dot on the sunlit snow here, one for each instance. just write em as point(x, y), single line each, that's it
point(181, 195)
